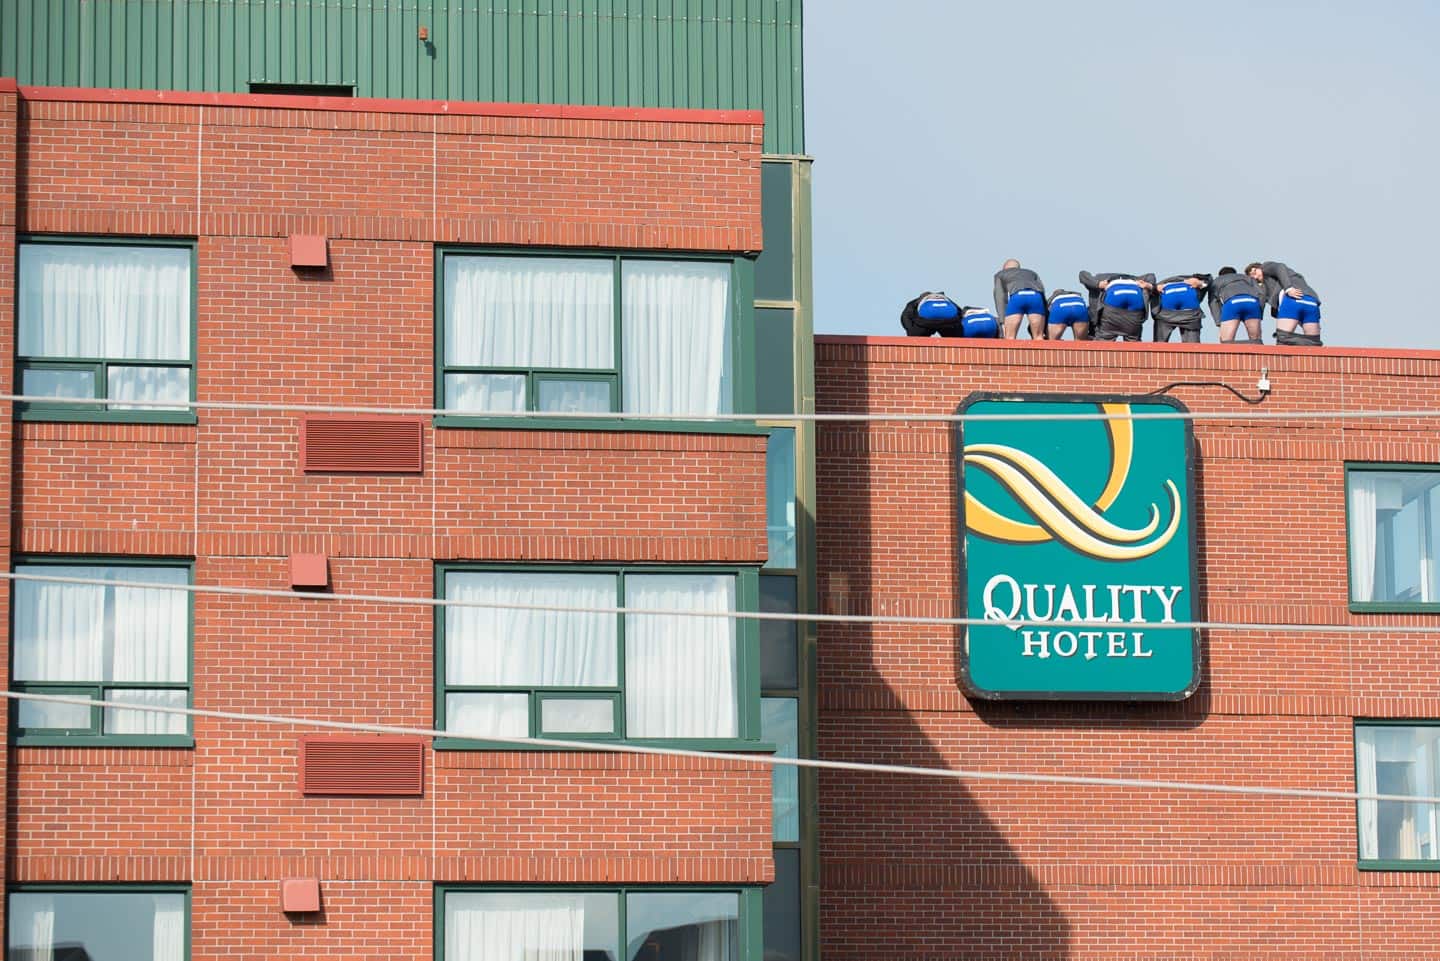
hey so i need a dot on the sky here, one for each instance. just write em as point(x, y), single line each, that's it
point(1117, 135)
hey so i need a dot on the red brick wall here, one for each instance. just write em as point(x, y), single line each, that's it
point(385, 185)
point(9, 128)
point(917, 869)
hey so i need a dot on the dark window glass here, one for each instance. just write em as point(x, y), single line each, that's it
point(779, 668)
point(305, 89)
point(782, 908)
point(695, 925)
point(96, 926)
point(774, 360)
point(774, 270)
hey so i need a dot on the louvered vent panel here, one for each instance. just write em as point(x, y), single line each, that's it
point(358, 765)
point(361, 445)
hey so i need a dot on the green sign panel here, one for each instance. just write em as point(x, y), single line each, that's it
point(1079, 546)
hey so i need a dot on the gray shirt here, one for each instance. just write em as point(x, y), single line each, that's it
point(1225, 286)
point(1008, 280)
point(1280, 278)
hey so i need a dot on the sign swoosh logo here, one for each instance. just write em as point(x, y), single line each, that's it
point(1058, 511)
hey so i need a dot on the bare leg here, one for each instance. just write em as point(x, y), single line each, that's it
point(1055, 332)
point(1081, 330)
point(1252, 327)
point(1012, 326)
point(1037, 326)
point(1227, 330)
point(1287, 324)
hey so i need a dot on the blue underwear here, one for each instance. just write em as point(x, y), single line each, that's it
point(1069, 309)
point(937, 308)
point(1241, 307)
point(1179, 296)
point(1304, 309)
point(1124, 295)
point(980, 324)
point(1025, 302)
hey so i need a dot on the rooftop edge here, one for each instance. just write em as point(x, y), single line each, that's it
point(1257, 350)
point(457, 108)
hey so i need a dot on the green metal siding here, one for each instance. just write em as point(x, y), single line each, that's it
point(716, 54)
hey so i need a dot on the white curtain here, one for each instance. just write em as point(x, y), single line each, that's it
point(503, 715)
point(486, 646)
point(169, 927)
point(149, 625)
point(124, 303)
point(1364, 516)
point(485, 392)
point(680, 672)
point(125, 383)
point(121, 721)
point(59, 628)
point(32, 927)
point(714, 941)
point(505, 928)
point(529, 312)
point(86, 633)
point(1365, 784)
point(676, 334)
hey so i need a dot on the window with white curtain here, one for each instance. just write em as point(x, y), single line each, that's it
point(1398, 759)
point(516, 667)
point(1393, 533)
point(585, 334)
point(125, 639)
point(117, 924)
point(590, 925)
point(109, 321)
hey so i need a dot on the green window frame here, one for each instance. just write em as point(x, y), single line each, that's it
point(741, 346)
point(95, 734)
point(751, 911)
point(747, 659)
point(1388, 540)
point(13, 929)
point(1383, 817)
point(100, 369)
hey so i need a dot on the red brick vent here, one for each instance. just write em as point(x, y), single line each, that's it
point(361, 445)
point(359, 764)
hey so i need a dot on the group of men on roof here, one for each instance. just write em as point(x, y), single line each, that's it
point(1116, 306)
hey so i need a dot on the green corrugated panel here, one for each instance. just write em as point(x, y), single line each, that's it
point(719, 54)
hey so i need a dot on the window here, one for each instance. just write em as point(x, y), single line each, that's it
point(599, 925)
point(1394, 535)
point(531, 673)
point(779, 725)
point(106, 320)
point(780, 496)
point(1398, 759)
point(119, 641)
point(304, 89)
point(69, 924)
point(586, 334)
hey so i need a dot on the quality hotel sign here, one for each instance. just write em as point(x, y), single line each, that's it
point(1078, 549)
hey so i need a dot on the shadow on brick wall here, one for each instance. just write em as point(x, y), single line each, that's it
point(912, 868)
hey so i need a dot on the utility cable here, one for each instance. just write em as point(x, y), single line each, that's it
point(622, 747)
point(440, 602)
point(537, 415)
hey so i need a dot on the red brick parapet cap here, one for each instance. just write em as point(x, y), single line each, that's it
point(1259, 351)
point(454, 108)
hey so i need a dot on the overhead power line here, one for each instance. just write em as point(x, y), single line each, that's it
point(622, 747)
point(440, 602)
point(536, 415)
